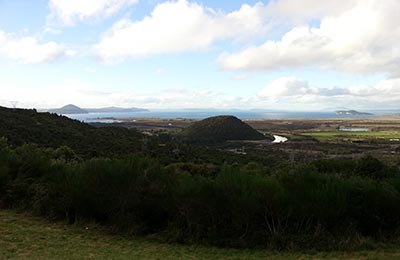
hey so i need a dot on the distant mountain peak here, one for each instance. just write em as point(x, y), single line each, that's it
point(69, 109)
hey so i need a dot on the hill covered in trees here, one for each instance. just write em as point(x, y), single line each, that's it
point(219, 129)
point(22, 126)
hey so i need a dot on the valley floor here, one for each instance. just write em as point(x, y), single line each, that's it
point(26, 237)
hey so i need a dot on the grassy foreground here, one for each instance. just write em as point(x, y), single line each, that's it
point(27, 237)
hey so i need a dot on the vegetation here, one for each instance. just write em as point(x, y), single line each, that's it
point(340, 134)
point(304, 206)
point(219, 129)
point(194, 194)
point(22, 126)
point(23, 236)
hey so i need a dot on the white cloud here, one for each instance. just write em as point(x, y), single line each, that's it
point(362, 39)
point(240, 77)
point(181, 98)
point(295, 93)
point(29, 50)
point(288, 93)
point(295, 87)
point(51, 30)
point(177, 26)
point(299, 11)
point(286, 86)
point(52, 95)
point(68, 12)
point(84, 94)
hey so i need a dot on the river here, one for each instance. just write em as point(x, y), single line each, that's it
point(279, 139)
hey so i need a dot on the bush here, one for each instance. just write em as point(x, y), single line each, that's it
point(231, 205)
point(371, 167)
point(6, 158)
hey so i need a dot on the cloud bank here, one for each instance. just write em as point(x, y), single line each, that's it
point(177, 26)
point(361, 39)
point(69, 12)
point(286, 93)
point(28, 50)
point(296, 93)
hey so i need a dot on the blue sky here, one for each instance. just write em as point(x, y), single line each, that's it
point(177, 54)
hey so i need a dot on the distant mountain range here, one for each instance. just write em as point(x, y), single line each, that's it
point(352, 113)
point(72, 109)
point(115, 110)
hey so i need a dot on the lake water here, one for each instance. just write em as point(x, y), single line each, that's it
point(354, 129)
point(94, 117)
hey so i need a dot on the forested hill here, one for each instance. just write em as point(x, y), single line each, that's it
point(219, 129)
point(21, 126)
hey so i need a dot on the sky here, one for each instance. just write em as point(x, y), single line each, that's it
point(303, 55)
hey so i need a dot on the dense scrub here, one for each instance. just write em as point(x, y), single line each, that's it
point(320, 205)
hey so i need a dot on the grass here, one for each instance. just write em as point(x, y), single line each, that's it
point(26, 237)
point(338, 134)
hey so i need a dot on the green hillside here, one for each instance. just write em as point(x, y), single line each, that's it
point(22, 126)
point(219, 129)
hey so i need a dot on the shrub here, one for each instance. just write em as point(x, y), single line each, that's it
point(371, 167)
point(6, 158)
point(232, 205)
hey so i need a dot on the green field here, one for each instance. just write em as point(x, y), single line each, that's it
point(27, 237)
point(364, 135)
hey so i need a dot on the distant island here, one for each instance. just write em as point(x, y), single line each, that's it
point(72, 109)
point(68, 109)
point(115, 110)
point(352, 113)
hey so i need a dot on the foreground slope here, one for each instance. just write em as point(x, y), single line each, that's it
point(21, 126)
point(219, 129)
point(25, 237)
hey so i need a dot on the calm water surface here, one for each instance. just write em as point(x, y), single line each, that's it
point(96, 117)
